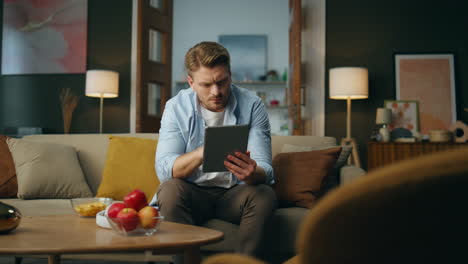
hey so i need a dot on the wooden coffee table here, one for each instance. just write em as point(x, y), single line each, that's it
point(70, 234)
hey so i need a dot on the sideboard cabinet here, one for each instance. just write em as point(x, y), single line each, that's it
point(383, 153)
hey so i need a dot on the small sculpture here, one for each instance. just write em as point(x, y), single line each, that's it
point(10, 218)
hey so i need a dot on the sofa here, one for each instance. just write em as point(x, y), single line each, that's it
point(92, 149)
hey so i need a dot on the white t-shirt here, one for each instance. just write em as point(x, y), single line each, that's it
point(219, 179)
point(212, 118)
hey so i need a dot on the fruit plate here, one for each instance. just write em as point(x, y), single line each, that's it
point(140, 226)
point(101, 220)
point(89, 207)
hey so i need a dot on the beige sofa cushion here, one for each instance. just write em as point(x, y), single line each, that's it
point(91, 149)
point(46, 170)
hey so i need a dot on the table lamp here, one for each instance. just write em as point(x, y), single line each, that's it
point(384, 117)
point(102, 84)
point(349, 83)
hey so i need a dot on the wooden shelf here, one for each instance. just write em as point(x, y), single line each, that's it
point(383, 153)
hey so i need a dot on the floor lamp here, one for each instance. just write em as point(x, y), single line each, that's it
point(349, 83)
point(102, 84)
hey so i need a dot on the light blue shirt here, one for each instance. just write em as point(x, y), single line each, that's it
point(183, 130)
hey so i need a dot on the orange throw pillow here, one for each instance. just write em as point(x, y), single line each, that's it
point(299, 175)
point(8, 182)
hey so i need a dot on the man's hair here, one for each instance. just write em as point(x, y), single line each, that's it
point(206, 54)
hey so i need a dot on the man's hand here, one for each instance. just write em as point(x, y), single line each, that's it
point(244, 168)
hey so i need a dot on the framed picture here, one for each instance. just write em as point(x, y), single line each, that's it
point(44, 36)
point(429, 79)
point(248, 55)
point(405, 114)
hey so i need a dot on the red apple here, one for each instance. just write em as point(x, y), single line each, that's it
point(147, 216)
point(128, 219)
point(114, 209)
point(136, 200)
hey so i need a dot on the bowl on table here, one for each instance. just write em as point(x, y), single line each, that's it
point(89, 207)
point(139, 226)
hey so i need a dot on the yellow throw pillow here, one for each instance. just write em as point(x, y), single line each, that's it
point(129, 165)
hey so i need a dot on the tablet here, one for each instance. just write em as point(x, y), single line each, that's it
point(221, 141)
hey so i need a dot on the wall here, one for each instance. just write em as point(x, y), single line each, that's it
point(200, 20)
point(367, 33)
point(32, 100)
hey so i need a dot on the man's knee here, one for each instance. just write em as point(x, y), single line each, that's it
point(171, 192)
point(262, 195)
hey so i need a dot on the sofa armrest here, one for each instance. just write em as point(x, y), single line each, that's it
point(349, 173)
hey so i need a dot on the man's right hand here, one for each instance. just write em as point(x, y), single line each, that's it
point(185, 165)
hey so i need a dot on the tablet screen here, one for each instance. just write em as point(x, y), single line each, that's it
point(221, 141)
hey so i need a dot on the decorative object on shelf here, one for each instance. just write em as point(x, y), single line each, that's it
point(10, 218)
point(418, 136)
point(248, 55)
point(400, 132)
point(439, 135)
point(69, 101)
point(349, 83)
point(460, 132)
point(272, 76)
point(274, 102)
point(429, 78)
point(284, 77)
point(384, 117)
point(44, 37)
point(375, 135)
point(405, 114)
point(102, 84)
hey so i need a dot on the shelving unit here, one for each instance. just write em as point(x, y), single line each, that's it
point(268, 91)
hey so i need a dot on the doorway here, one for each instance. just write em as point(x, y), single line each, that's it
point(195, 21)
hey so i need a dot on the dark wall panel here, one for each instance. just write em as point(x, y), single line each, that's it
point(368, 33)
point(33, 99)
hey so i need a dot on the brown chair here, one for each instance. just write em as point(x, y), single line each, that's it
point(414, 211)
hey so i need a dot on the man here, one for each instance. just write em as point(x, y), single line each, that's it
point(240, 195)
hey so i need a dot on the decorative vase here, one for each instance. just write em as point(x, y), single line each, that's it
point(69, 102)
point(10, 218)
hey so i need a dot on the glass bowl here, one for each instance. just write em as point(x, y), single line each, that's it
point(89, 207)
point(140, 226)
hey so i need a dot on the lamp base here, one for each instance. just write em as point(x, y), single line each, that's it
point(385, 133)
point(354, 157)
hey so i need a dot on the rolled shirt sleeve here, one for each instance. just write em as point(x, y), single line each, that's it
point(260, 140)
point(171, 144)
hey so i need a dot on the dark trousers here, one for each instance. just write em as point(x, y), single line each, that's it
point(249, 206)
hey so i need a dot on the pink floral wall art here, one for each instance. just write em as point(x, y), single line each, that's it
point(44, 36)
point(405, 114)
point(429, 79)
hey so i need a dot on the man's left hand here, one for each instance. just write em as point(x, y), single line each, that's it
point(242, 166)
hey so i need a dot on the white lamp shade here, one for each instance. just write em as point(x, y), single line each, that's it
point(384, 116)
point(102, 83)
point(349, 82)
